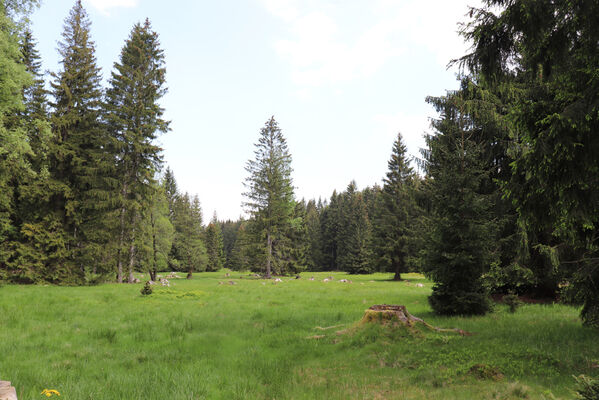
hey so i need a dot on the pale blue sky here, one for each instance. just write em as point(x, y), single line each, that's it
point(341, 77)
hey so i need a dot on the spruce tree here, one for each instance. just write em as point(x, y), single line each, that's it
point(314, 258)
point(545, 56)
point(355, 234)
point(214, 246)
point(79, 162)
point(160, 232)
point(462, 242)
point(394, 214)
point(188, 252)
point(33, 217)
point(330, 223)
point(270, 192)
point(171, 189)
point(135, 119)
point(229, 229)
point(14, 146)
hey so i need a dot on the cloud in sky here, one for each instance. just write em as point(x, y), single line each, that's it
point(324, 46)
point(412, 128)
point(319, 48)
point(105, 5)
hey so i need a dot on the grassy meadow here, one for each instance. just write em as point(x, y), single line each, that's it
point(199, 339)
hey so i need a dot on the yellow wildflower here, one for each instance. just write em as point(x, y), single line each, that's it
point(50, 392)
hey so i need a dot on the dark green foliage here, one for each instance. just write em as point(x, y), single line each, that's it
point(314, 255)
point(546, 55)
point(242, 256)
point(329, 223)
point(512, 301)
point(188, 252)
point(394, 213)
point(354, 235)
point(14, 147)
point(214, 246)
point(270, 198)
point(462, 241)
point(79, 164)
point(157, 239)
point(134, 117)
point(146, 290)
point(229, 229)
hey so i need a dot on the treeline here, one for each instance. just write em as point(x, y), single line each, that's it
point(356, 231)
point(506, 198)
point(80, 199)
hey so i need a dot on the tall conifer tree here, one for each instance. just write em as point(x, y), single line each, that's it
point(14, 147)
point(78, 159)
point(135, 120)
point(462, 242)
point(214, 246)
point(392, 226)
point(270, 191)
point(353, 240)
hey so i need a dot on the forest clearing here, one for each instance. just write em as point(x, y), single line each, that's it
point(419, 221)
point(198, 339)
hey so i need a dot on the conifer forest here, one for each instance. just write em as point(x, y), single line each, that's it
point(502, 202)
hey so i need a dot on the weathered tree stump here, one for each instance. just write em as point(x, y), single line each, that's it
point(7, 392)
point(397, 315)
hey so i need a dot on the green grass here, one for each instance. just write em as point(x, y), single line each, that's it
point(201, 340)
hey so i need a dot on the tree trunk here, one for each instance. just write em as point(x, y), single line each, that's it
point(397, 266)
point(155, 251)
point(132, 254)
point(268, 255)
point(119, 274)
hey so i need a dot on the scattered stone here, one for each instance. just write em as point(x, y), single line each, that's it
point(221, 283)
point(227, 275)
point(345, 281)
point(325, 280)
point(232, 283)
point(136, 280)
point(7, 392)
point(311, 278)
point(151, 282)
point(419, 285)
point(278, 280)
point(165, 282)
point(264, 283)
point(330, 278)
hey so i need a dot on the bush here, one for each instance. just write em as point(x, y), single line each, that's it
point(512, 301)
point(588, 388)
point(448, 301)
point(147, 289)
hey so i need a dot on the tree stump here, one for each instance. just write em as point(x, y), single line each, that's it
point(7, 392)
point(397, 315)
